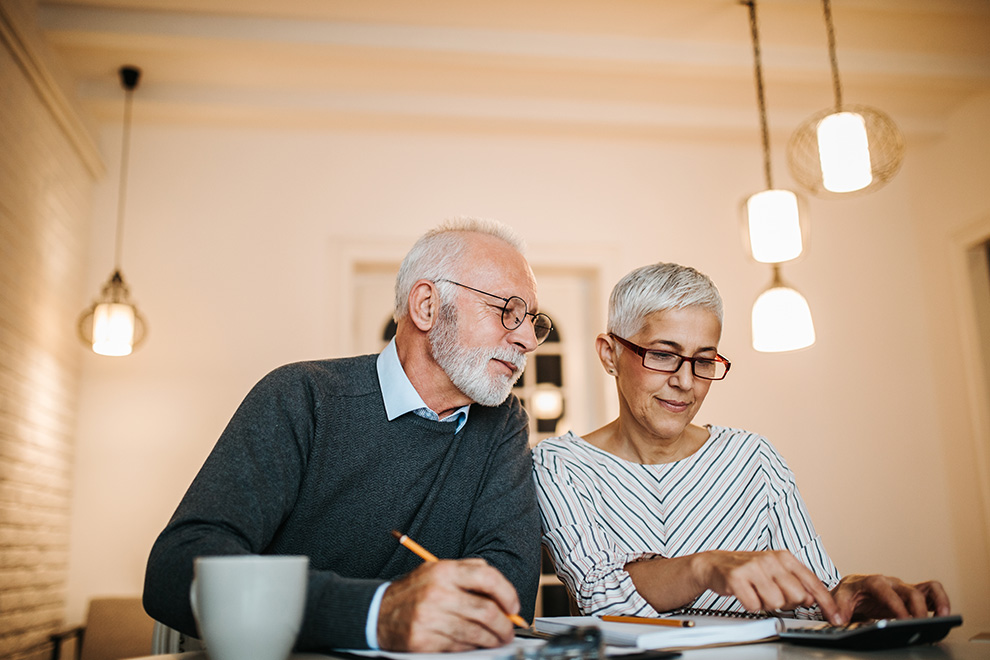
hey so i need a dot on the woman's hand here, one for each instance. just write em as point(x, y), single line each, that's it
point(880, 596)
point(769, 580)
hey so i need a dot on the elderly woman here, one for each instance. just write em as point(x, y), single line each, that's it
point(651, 513)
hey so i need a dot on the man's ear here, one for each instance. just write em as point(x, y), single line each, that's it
point(424, 305)
point(606, 353)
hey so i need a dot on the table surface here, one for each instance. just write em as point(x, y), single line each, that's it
point(952, 648)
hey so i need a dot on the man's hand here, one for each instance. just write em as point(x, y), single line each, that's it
point(879, 597)
point(769, 580)
point(451, 605)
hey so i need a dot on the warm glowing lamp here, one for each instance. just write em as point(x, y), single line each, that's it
point(548, 403)
point(844, 152)
point(113, 329)
point(772, 217)
point(112, 325)
point(845, 148)
point(781, 319)
point(774, 225)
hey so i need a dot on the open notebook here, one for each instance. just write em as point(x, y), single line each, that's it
point(707, 630)
point(738, 628)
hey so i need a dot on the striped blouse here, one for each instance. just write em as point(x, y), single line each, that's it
point(601, 512)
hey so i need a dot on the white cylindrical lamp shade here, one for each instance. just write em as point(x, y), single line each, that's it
point(782, 321)
point(113, 329)
point(844, 152)
point(774, 224)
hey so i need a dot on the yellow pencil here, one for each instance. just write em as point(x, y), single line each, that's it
point(426, 555)
point(675, 623)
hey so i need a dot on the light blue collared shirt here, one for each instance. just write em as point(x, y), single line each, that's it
point(400, 397)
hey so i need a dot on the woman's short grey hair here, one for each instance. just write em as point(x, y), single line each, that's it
point(655, 288)
point(437, 256)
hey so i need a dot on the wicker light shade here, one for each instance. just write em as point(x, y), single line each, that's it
point(112, 325)
point(884, 140)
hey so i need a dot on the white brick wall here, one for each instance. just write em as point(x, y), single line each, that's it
point(44, 198)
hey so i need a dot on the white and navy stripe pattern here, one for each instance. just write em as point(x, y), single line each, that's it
point(601, 512)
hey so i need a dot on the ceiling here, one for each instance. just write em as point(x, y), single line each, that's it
point(637, 67)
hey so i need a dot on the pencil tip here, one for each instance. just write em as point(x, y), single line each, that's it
point(397, 534)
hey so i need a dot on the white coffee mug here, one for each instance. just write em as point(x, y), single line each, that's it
point(249, 607)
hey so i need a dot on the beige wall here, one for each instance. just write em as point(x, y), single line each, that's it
point(231, 239)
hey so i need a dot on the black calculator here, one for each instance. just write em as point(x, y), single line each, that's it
point(873, 635)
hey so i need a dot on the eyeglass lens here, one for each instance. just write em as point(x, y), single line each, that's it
point(514, 313)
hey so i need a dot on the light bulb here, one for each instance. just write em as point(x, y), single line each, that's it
point(774, 226)
point(844, 152)
point(113, 329)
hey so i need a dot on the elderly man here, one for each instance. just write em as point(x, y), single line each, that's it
point(325, 458)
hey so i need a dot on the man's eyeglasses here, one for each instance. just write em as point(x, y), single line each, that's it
point(706, 368)
point(514, 312)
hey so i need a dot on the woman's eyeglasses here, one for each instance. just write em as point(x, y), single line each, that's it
point(706, 368)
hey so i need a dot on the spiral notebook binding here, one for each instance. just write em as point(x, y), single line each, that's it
point(700, 611)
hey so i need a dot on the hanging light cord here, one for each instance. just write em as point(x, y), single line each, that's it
point(122, 190)
point(760, 98)
point(833, 61)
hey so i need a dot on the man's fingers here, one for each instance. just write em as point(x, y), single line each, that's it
point(477, 576)
point(446, 606)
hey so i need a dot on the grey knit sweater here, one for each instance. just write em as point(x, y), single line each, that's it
point(309, 465)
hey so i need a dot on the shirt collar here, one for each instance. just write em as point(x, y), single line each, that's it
point(398, 392)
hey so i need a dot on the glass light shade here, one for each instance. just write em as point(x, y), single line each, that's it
point(548, 403)
point(113, 329)
point(774, 224)
point(782, 321)
point(844, 152)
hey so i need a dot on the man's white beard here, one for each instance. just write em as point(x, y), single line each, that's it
point(467, 368)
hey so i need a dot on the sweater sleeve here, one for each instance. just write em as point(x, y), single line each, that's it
point(585, 557)
point(235, 505)
point(504, 526)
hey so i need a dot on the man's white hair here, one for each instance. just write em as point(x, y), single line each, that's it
point(437, 254)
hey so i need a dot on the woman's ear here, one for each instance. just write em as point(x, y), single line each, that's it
point(606, 353)
point(424, 303)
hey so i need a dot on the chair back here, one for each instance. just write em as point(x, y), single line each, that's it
point(116, 628)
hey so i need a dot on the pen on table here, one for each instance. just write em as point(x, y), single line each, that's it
point(426, 555)
point(674, 623)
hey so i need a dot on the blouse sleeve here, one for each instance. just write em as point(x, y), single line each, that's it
point(790, 527)
point(586, 559)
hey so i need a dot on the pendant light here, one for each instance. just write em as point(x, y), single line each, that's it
point(781, 319)
point(771, 218)
point(112, 325)
point(846, 148)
